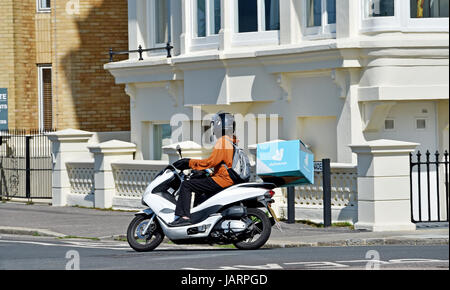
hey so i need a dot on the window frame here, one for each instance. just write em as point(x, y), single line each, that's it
point(401, 21)
point(260, 37)
point(41, 9)
point(41, 67)
point(382, 23)
point(325, 30)
point(211, 40)
point(440, 24)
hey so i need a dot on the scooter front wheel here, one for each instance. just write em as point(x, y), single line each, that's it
point(144, 242)
point(260, 232)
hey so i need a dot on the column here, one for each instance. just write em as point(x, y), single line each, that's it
point(384, 185)
point(67, 145)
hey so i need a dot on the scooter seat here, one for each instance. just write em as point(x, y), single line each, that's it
point(266, 185)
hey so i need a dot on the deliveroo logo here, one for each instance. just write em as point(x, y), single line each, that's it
point(278, 155)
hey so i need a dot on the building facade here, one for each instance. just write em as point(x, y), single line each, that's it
point(51, 64)
point(330, 72)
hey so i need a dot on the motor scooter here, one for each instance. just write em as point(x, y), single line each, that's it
point(240, 215)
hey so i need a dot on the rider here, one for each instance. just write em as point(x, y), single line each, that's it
point(223, 126)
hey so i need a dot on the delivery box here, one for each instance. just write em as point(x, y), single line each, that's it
point(285, 163)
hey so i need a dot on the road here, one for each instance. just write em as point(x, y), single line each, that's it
point(33, 253)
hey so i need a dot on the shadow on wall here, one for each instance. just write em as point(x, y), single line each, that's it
point(98, 104)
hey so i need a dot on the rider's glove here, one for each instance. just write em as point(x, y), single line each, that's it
point(182, 164)
point(198, 174)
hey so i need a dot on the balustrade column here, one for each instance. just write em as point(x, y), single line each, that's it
point(104, 154)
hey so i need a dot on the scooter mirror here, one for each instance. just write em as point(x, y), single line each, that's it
point(179, 151)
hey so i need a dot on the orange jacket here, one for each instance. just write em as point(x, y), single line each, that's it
point(222, 152)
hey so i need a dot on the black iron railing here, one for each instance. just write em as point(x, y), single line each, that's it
point(25, 164)
point(140, 51)
point(425, 175)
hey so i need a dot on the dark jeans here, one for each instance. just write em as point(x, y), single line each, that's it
point(207, 187)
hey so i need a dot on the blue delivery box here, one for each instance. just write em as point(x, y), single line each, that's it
point(285, 163)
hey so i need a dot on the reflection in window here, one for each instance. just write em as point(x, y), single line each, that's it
point(381, 8)
point(248, 15)
point(429, 8)
point(217, 16)
point(201, 18)
point(272, 8)
point(314, 10)
point(331, 11)
point(162, 21)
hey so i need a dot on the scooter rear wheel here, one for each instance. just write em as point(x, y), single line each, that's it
point(147, 242)
point(262, 230)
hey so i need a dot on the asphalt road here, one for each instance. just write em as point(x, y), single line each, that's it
point(36, 253)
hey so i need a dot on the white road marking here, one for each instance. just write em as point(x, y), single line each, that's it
point(320, 264)
point(71, 244)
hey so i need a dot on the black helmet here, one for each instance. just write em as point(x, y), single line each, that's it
point(223, 124)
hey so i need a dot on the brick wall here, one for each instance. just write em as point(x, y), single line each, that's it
point(85, 94)
point(25, 74)
point(7, 52)
point(18, 70)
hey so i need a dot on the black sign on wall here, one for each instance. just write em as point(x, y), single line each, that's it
point(3, 109)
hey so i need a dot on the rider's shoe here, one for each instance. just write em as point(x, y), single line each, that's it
point(180, 222)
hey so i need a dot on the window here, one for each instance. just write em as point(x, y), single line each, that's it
point(258, 15)
point(405, 15)
point(421, 124)
point(45, 97)
point(159, 23)
point(389, 125)
point(207, 24)
point(428, 8)
point(256, 22)
point(320, 17)
point(162, 134)
point(43, 6)
point(208, 15)
point(162, 21)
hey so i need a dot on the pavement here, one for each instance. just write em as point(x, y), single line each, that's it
point(76, 222)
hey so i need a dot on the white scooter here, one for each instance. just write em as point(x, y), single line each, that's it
point(240, 215)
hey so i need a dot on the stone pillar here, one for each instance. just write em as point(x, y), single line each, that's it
point(384, 185)
point(105, 154)
point(67, 145)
